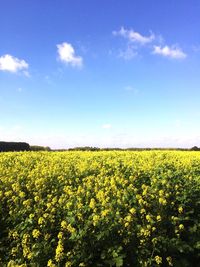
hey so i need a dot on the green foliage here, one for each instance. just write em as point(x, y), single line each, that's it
point(14, 146)
point(40, 148)
point(100, 209)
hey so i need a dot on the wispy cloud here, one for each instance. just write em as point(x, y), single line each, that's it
point(133, 36)
point(171, 52)
point(12, 64)
point(129, 53)
point(196, 48)
point(106, 126)
point(67, 55)
point(135, 41)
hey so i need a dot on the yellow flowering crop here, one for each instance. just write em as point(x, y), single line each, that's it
point(116, 208)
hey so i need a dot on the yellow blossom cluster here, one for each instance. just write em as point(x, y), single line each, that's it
point(99, 208)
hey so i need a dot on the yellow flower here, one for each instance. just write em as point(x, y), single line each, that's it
point(15, 235)
point(144, 193)
point(181, 227)
point(68, 264)
point(138, 196)
point(31, 216)
point(21, 194)
point(158, 260)
point(180, 209)
point(154, 240)
point(92, 203)
point(59, 252)
point(104, 213)
point(169, 260)
point(158, 218)
point(132, 211)
point(126, 224)
point(162, 201)
point(41, 220)
point(71, 229)
point(140, 201)
point(26, 251)
point(47, 236)
point(51, 264)
point(128, 218)
point(14, 251)
point(64, 224)
point(30, 255)
point(148, 218)
point(35, 233)
point(145, 232)
point(144, 186)
point(143, 211)
point(36, 198)
point(27, 203)
point(95, 219)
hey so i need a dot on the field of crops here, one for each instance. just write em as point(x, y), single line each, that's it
point(100, 209)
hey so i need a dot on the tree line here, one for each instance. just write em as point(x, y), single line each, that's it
point(22, 146)
point(14, 146)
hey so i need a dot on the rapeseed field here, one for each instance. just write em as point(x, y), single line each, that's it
point(104, 209)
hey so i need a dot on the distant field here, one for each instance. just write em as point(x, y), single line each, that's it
point(100, 209)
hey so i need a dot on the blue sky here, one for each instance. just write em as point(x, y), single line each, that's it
point(106, 73)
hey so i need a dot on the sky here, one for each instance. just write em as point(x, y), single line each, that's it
point(105, 73)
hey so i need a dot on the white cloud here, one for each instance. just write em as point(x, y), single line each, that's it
point(171, 52)
point(13, 64)
point(26, 73)
point(67, 54)
point(134, 37)
point(129, 53)
point(106, 126)
point(135, 40)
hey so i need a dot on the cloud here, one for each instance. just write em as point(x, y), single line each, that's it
point(171, 52)
point(26, 73)
point(67, 54)
point(129, 53)
point(13, 64)
point(106, 126)
point(134, 37)
point(136, 40)
point(196, 48)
